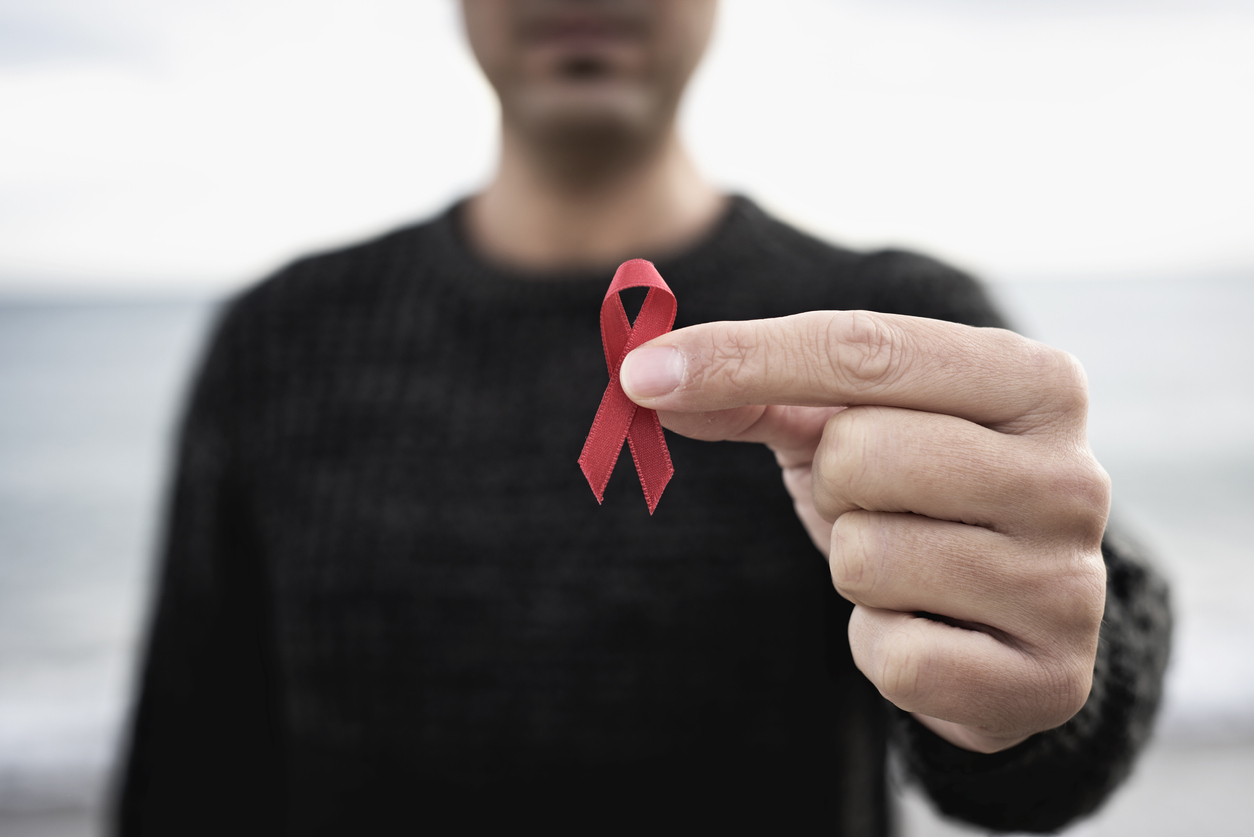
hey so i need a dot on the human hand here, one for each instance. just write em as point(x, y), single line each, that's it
point(944, 470)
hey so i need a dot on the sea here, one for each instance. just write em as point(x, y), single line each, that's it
point(91, 389)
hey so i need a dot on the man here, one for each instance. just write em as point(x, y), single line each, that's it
point(389, 600)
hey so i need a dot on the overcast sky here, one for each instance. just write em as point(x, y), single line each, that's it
point(156, 144)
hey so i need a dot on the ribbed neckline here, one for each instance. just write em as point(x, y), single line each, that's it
point(482, 279)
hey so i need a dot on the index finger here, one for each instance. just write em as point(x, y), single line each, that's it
point(989, 376)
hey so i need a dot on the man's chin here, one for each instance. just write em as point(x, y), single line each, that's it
point(587, 111)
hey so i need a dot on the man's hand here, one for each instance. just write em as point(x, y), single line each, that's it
point(945, 471)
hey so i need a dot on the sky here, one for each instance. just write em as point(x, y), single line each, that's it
point(148, 145)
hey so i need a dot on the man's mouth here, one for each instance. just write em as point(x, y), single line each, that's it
point(582, 30)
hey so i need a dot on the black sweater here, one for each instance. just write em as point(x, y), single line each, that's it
point(390, 601)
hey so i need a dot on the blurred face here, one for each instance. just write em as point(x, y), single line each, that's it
point(564, 68)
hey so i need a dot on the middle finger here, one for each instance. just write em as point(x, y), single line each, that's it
point(894, 460)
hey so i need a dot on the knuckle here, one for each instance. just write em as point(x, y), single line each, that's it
point(1071, 372)
point(1072, 383)
point(850, 440)
point(901, 668)
point(1065, 688)
point(1081, 488)
point(1066, 383)
point(1073, 596)
point(862, 350)
point(842, 461)
point(853, 559)
point(1081, 594)
point(1091, 490)
point(730, 357)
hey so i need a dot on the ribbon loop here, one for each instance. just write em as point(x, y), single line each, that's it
point(618, 418)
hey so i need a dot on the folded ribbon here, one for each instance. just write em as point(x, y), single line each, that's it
point(618, 417)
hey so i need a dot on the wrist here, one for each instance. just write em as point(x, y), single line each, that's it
point(967, 737)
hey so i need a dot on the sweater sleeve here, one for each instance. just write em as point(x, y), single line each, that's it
point(1059, 775)
point(203, 754)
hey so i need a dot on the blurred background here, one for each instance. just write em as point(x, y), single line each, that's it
point(1090, 160)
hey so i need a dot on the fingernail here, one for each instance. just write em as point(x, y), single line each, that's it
point(650, 372)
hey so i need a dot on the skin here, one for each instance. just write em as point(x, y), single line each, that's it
point(943, 469)
point(591, 169)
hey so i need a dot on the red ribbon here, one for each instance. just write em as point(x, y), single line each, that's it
point(618, 417)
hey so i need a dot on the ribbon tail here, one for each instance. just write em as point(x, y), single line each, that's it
point(605, 440)
point(648, 449)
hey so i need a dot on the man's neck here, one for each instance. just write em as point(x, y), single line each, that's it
point(537, 217)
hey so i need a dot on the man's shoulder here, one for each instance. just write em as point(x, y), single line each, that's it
point(346, 274)
point(786, 241)
point(803, 271)
point(347, 287)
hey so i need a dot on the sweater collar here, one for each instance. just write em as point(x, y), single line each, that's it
point(483, 278)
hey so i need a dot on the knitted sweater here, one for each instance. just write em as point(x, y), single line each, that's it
point(389, 600)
